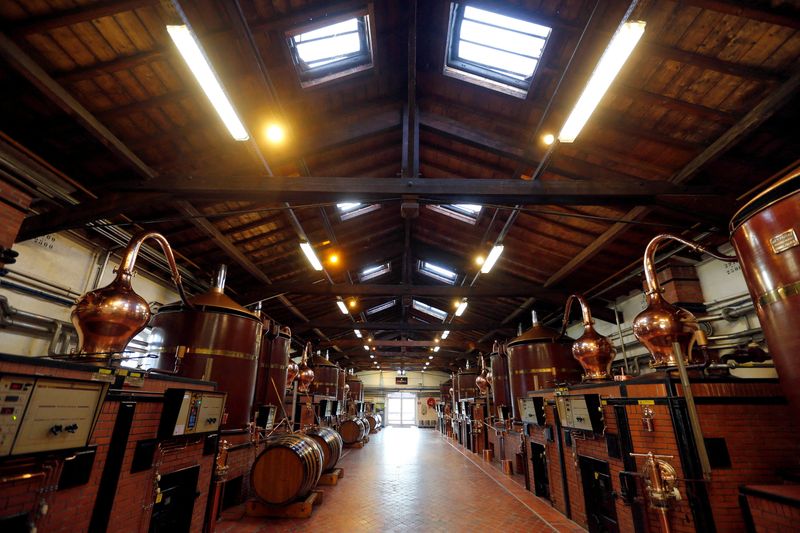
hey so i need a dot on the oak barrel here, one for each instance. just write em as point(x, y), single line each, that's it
point(288, 468)
point(331, 444)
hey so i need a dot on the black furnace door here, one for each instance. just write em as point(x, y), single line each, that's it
point(601, 511)
point(541, 483)
point(178, 492)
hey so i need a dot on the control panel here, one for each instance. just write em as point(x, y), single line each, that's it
point(532, 410)
point(47, 414)
point(188, 412)
point(581, 412)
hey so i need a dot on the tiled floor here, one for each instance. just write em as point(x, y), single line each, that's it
point(409, 479)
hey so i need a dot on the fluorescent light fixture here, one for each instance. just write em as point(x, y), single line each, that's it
point(430, 357)
point(426, 363)
point(445, 333)
point(190, 49)
point(461, 308)
point(310, 255)
point(494, 255)
point(619, 49)
point(357, 332)
point(435, 350)
point(378, 367)
point(342, 306)
point(366, 347)
point(371, 356)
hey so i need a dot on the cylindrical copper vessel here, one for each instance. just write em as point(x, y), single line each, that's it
point(593, 351)
point(482, 381)
point(288, 468)
point(106, 319)
point(272, 361)
point(466, 386)
point(331, 443)
point(766, 236)
point(356, 388)
point(501, 394)
point(540, 358)
point(661, 324)
point(217, 340)
point(305, 375)
point(326, 377)
point(341, 379)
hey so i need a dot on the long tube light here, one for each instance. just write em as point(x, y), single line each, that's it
point(461, 308)
point(190, 49)
point(616, 54)
point(342, 307)
point(310, 255)
point(492, 258)
point(445, 333)
point(357, 332)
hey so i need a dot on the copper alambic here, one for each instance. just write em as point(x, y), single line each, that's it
point(482, 381)
point(107, 319)
point(306, 375)
point(662, 323)
point(765, 235)
point(593, 351)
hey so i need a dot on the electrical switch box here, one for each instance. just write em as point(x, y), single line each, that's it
point(188, 412)
point(580, 412)
point(47, 414)
point(532, 410)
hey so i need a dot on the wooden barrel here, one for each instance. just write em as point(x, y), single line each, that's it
point(331, 443)
point(288, 468)
point(374, 422)
point(365, 422)
point(352, 430)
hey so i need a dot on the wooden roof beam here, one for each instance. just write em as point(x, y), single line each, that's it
point(763, 12)
point(68, 17)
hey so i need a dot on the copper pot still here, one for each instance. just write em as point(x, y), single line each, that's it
point(482, 381)
point(540, 358)
point(305, 375)
point(661, 324)
point(213, 339)
point(356, 387)
point(765, 234)
point(326, 376)
point(106, 319)
point(593, 351)
point(273, 362)
point(466, 383)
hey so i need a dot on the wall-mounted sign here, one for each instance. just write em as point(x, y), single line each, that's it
point(401, 380)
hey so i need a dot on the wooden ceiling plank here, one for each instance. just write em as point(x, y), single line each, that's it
point(68, 17)
point(785, 16)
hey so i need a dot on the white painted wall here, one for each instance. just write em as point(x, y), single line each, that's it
point(69, 263)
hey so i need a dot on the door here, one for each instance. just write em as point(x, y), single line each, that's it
point(598, 494)
point(401, 409)
point(541, 482)
point(178, 492)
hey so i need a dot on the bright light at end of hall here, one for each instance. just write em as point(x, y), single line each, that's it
point(548, 139)
point(619, 49)
point(197, 62)
point(275, 133)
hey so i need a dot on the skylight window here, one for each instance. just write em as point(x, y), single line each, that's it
point(348, 210)
point(429, 309)
point(494, 50)
point(464, 212)
point(324, 53)
point(374, 271)
point(382, 307)
point(437, 272)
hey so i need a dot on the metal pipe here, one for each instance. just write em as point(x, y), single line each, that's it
point(622, 343)
point(694, 418)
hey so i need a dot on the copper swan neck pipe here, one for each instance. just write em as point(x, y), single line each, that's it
point(128, 262)
point(653, 288)
point(585, 312)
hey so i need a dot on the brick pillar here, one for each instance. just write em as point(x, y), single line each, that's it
point(13, 209)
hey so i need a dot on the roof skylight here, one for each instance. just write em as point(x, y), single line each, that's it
point(348, 210)
point(382, 307)
point(374, 271)
point(429, 309)
point(437, 272)
point(464, 212)
point(324, 53)
point(494, 50)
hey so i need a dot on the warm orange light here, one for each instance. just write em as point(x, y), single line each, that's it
point(352, 303)
point(548, 139)
point(479, 260)
point(333, 259)
point(275, 133)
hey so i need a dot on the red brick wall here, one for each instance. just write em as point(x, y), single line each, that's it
point(70, 510)
point(773, 517)
point(13, 208)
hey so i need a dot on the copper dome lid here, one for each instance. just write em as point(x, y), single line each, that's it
point(536, 333)
point(318, 360)
point(216, 299)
